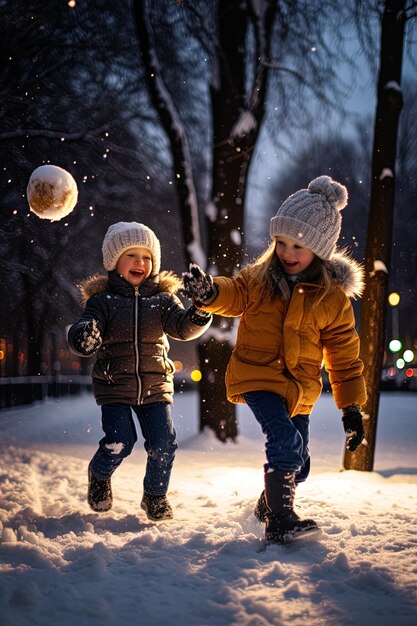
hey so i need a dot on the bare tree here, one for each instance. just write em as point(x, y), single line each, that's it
point(56, 66)
point(380, 222)
point(237, 119)
point(255, 48)
point(236, 123)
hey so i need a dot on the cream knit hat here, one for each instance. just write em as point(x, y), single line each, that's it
point(124, 235)
point(312, 216)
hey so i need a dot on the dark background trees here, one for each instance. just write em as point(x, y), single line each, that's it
point(73, 96)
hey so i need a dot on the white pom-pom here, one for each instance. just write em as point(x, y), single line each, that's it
point(52, 192)
point(335, 192)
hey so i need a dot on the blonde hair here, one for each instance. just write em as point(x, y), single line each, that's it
point(272, 289)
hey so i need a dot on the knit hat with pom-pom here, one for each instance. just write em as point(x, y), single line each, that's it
point(124, 235)
point(312, 216)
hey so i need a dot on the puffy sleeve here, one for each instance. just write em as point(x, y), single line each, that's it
point(341, 347)
point(184, 324)
point(232, 295)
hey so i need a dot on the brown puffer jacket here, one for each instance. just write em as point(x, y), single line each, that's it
point(132, 364)
point(282, 344)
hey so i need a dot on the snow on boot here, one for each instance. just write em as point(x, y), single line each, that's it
point(100, 497)
point(157, 508)
point(261, 508)
point(282, 523)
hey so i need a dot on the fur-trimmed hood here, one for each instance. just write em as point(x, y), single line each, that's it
point(99, 283)
point(348, 273)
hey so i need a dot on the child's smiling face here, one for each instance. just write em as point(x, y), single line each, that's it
point(294, 258)
point(135, 265)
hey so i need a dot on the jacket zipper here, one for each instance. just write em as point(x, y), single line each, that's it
point(136, 344)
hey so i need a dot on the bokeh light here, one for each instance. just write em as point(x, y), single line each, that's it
point(395, 345)
point(394, 298)
point(196, 376)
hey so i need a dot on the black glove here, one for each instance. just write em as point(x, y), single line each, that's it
point(352, 423)
point(87, 340)
point(198, 286)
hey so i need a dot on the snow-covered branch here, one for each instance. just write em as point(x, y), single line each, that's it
point(176, 134)
point(262, 13)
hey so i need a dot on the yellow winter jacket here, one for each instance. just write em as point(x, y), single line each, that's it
point(282, 344)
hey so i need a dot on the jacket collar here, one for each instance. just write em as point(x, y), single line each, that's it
point(344, 270)
point(119, 285)
point(99, 283)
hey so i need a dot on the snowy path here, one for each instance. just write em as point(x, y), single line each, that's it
point(60, 563)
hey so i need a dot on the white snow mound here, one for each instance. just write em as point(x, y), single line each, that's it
point(52, 192)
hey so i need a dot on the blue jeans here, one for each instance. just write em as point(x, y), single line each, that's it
point(286, 446)
point(120, 436)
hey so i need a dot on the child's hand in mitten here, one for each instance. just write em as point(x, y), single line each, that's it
point(198, 286)
point(352, 423)
point(88, 338)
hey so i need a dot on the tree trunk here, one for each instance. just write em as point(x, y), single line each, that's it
point(379, 238)
point(236, 123)
point(235, 128)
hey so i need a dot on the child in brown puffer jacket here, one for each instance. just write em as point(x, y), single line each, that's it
point(129, 315)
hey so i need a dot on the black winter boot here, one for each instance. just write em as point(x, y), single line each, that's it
point(100, 496)
point(261, 510)
point(282, 523)
point(157, 508)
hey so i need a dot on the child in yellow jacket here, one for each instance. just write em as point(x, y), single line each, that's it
point(295, 313)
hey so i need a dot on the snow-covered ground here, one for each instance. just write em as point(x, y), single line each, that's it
point(61, 564)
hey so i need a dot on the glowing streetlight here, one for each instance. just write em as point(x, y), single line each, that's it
point(394, 298)
point(408, 356)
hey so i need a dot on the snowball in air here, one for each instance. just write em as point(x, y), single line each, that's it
point(52, 192)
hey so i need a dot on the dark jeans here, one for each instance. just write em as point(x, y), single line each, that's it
point(286, 446)
point(120, 436)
